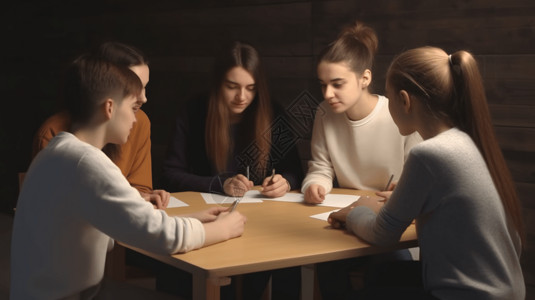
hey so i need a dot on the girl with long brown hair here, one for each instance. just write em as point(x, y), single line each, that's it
point(455, 183)
point(225, 143)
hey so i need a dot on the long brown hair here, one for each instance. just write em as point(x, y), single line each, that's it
point(218, 142)
point(452, 89)
point(356, 45)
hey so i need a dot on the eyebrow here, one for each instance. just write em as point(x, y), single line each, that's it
point(333, 80)
point(232, 82)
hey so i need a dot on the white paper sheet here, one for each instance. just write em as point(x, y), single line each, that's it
point(331, 200)
point(251, 196)
point(339, 200)
point(174, 202)
point(323, 216)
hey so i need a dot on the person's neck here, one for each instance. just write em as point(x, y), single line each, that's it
point(363, 107)
point(431, 128)
point(235, 118)
point(93, 136)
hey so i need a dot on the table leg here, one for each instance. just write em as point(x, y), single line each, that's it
point(208, 288)
point(307, 281)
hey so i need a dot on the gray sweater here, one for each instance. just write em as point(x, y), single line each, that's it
point(468, 247)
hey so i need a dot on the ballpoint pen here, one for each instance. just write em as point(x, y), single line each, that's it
point(247, 172)
point(389, 182)
point(272, 175)
point(387, 186)
point(234, 204)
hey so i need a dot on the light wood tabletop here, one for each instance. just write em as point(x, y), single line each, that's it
point(277, 235)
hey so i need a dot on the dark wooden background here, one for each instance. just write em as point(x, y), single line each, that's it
point(180, 38)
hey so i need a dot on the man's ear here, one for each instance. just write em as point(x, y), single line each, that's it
point(406, 101)
point(366, 78)
point(108, 107)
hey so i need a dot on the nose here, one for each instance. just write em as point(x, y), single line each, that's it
point(328, 92)
point(142, 97)
point(242, 95)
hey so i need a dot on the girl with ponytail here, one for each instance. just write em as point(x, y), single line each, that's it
point(354, 138)
point(455, 184)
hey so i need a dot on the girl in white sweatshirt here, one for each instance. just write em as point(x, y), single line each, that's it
point(354, 139)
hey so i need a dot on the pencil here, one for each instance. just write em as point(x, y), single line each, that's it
point(247, 172)
point(389, 182)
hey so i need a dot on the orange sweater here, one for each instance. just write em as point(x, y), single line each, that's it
point(134, 157)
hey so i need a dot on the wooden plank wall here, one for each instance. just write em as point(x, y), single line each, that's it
point(180, 37)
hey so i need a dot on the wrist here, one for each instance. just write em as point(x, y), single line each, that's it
point(289, 185)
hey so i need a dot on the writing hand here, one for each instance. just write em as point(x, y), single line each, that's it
point(275, 186)
point(237, 185)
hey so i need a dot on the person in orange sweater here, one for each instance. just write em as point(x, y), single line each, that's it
point(134, 157)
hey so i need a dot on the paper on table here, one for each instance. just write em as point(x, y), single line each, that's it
point(331, 200)
point(339, 200)
point(249, 197)
point(288, 197)
point(323, 216)
point(174, 202)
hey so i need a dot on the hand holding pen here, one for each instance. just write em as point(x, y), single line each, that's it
point(275, 185)
point(238, 185)
point(387, 191)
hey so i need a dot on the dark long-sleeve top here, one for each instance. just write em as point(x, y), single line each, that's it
point(188, 168)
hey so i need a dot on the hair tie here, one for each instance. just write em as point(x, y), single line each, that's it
point(449, 58)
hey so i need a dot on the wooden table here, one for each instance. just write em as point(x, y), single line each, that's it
point(277, 235)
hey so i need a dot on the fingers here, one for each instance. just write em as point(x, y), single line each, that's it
point(276, 187)
point(237, 185)
point(156, 200)
point(315, 194)
point(385, 195)
point(164, 196)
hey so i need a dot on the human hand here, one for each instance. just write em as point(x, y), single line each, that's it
point(226, 226)
point(207, 215)
point(384, 196)
point(337, 219)
point(158, 198)
point(237, 186)
point(315, 194)
point(275, 186)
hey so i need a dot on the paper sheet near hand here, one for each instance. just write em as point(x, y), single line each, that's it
point(331, 200)
point(174, 202)
point(323, 216)
point(249, 197)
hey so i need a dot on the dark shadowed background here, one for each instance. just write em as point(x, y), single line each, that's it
point(180, 38)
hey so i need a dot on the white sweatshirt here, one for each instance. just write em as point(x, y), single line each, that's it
point(73, 202)
point(360, 154)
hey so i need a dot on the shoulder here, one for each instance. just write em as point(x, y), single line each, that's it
point(141, 128)
point(70, 148)
point(56, 123)
point(445, 145)
point(142, 118)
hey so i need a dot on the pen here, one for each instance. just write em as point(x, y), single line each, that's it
point(247, 172)
point(272, 175)
point(389, 182)
point(234, 204)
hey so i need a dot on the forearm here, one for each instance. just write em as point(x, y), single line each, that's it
point(376, 229)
